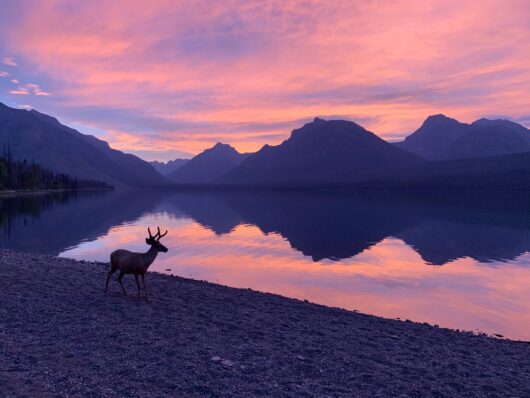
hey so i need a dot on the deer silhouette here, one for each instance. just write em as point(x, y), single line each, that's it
point(136, 263)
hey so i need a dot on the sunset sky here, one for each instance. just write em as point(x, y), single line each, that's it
point(166, 79)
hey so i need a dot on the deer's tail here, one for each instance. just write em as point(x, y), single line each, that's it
point(113, 261)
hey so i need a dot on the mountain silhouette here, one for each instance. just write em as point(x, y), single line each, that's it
point(443, 154)
point(40, 138)
point(491, 138)
point(435, 136)
point(208, 165)
point(166, 168)
point(443, 138)
point(321, 152)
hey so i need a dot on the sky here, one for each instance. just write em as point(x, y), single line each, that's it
point(167, 79)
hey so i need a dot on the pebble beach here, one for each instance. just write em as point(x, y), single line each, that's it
point(60, 335)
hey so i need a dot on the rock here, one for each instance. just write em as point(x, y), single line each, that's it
point(215, 358)
point(227, 362)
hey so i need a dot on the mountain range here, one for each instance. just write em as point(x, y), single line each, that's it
point(321, 152)
point(208, 166)
point(168, 167)
point(442, 154)
point(40, 138)
point(443, 138)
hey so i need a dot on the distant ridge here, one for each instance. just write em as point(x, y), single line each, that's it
point(443, 138)
point(208, 166)
point(321, 152)
point(41, 138)
point(166, 168)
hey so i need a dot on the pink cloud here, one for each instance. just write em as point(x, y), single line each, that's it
point(3, 73)
point(15, 81)
point(9, 61)
point(29, 88)
point(19, 91)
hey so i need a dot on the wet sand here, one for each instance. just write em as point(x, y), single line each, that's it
point(61, 336)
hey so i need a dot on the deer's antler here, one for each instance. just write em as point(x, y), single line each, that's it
point(159, 234)
point(151, 235)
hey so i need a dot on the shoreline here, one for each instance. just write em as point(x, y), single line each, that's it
point(27, 192)
point(62, 335)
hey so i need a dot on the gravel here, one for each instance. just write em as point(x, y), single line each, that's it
point(61, 336)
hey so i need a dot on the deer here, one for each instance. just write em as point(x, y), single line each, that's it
point(128, 262)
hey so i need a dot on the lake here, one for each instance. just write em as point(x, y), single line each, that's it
point(459, 261)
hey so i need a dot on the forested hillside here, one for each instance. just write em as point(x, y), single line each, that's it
point(23, 175)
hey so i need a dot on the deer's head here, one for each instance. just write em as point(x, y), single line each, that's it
point(154, 241)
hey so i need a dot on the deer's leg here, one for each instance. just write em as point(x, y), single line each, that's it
point(145, 287)
point(120, 279)
point(111, 271)
point(137, 285)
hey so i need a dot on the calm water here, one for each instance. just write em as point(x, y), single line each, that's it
point(458, 261)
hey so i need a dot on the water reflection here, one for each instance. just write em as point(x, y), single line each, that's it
point(52, 223)
point(339, 226)
point(369, 252)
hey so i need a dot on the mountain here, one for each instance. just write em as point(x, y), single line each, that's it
point(40, 138)
point(443, 138)
point(208, 165)
point(166, 168)
point(321, 152)
point(497, 173)
point(434, 138)
point(491, 138)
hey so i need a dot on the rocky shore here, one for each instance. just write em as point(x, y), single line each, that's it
point(61, 336)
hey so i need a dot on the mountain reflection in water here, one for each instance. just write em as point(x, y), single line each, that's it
point(495, 227)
